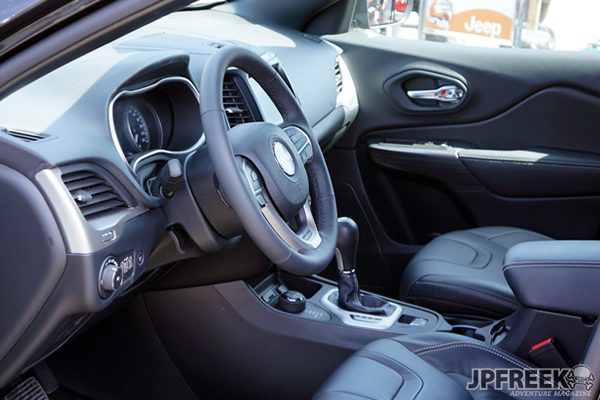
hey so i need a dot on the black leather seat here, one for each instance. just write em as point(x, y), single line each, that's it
point(461, 272)
point(425, 366)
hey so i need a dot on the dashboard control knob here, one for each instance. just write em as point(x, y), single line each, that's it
point(292, 301)
point(112, 275)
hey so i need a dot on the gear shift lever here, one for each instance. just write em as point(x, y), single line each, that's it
point(350, 297)
point(347, 245)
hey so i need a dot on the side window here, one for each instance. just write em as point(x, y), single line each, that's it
point(530, 24)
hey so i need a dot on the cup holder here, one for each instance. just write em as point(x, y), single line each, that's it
point(469, 331)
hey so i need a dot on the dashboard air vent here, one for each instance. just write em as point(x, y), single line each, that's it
point(338, 77)
point(93, 195)
point(24, 136)
point(235, 104)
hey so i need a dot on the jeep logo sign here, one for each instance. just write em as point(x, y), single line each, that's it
point(493, 29)
point(463, 18)
point(284, 158)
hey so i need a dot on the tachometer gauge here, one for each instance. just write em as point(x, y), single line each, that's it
point(138, 128)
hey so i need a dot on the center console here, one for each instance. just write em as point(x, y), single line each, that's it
point(322, 305)
point(343, 309)
point(550, 328)
point(344, 304)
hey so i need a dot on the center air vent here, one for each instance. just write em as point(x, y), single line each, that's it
point(235, 104)
point(93, 195)
point(338, 77)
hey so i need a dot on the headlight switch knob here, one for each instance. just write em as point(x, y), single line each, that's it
point(112, 275)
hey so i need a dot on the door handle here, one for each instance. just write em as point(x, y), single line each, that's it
point(445, 94)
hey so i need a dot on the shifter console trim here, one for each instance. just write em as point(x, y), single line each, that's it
point(361, 320)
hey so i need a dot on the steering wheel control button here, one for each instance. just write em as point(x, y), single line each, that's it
point(112, 275)
point(306, 154)
point(292, 302)
point(301, 142)
point(252, 176)
point(284, 158)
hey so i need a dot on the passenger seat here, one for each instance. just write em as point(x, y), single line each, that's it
point(461, 272)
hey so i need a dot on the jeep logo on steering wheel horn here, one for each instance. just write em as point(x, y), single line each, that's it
point(284, 158)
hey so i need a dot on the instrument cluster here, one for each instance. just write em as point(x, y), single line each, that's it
point(163, 117)
point(142, 123)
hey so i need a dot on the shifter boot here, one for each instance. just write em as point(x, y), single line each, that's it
point(351, 299)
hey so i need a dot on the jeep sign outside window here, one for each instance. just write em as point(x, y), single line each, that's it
point(492, 19)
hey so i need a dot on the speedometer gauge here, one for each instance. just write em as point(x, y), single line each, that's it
point(138, 128)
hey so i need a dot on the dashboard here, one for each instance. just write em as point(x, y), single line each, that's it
point(100, 130)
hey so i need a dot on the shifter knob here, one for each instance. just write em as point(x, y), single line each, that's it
point(347, 244)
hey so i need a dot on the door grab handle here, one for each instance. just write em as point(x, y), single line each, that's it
point(445, 94)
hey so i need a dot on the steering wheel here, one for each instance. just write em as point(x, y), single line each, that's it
point(272, 176)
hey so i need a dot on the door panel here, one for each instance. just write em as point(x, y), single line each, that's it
point(522, 149)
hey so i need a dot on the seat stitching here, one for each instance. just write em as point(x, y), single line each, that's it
point(451, 345)
point(509, 303)
point(552, 265)
point(524, 232)
point(507, 357)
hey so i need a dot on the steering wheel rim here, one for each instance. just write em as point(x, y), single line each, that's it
point(265, 226)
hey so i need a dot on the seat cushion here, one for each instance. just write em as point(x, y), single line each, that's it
point(425, 366)
point(461, 272)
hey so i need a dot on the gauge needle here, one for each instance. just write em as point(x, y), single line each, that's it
point(135, 138)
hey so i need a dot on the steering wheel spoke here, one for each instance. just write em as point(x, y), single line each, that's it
point(305, 237)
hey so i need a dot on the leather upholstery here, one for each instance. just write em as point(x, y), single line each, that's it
point(566, 275)
point(425, 366)
point(352, 299)
point(461, 272)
